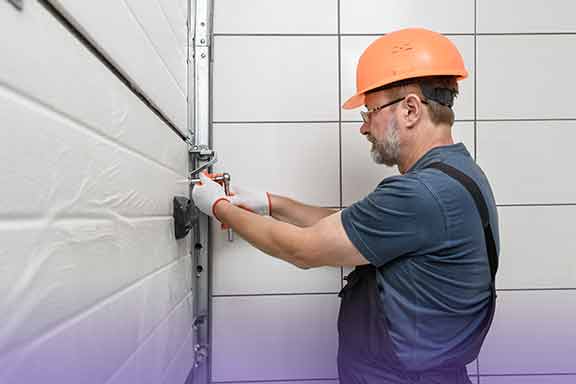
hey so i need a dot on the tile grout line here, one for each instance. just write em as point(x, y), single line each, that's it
point(338, 26)
point(476, 81)
point(282, 294)
point(358, 122)
point(511, 34)
point(476, 125)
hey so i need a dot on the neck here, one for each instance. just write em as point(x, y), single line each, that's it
point(420, 149)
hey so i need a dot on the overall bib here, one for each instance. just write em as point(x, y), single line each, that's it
point(365, 351)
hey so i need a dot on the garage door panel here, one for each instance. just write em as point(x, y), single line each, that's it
point(176, 12)
point(52, 167)
point(148, 364)
point(46, 63)
point(90, 348)
point(57, 270)
point(126, 38)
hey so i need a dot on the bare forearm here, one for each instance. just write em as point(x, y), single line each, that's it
point(299, 214)
point(270, 236)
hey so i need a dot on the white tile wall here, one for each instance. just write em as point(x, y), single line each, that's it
point(533, 255)
point(353, 46)
point(528, 161)
point(276, 16)
point(533, 333)
point(528, 77)
point(240, 269)
point(523, 76)
point(518, 16)
point(299, 160)
point(276, 78)
point(377, 17)
point(274, 338)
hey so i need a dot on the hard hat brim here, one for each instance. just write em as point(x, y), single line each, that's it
point(354, 102)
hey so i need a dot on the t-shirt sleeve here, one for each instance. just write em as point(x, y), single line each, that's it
point(400, 218)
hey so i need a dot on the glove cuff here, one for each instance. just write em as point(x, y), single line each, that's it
point(269, 198)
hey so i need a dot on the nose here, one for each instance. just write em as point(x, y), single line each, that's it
point(364, 129)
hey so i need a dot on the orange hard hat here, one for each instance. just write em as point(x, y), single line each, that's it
point(402, 55)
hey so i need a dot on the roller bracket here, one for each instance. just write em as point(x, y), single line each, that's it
point(184, 215)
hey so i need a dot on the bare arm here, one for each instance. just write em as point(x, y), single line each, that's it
point(323, 244)
point(296, 213)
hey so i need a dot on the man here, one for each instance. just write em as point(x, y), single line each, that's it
point(425, 243)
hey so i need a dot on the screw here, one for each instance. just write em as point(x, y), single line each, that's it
point(202, 24)
point(203, 55)
point(202, 41)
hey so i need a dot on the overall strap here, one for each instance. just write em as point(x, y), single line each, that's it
point(474, 190)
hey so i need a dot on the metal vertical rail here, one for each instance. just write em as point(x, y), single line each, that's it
point(200, 154)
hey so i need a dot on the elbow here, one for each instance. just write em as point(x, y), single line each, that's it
point(305, 260)
point(301, 262)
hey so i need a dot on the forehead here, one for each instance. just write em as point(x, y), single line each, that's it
point(377, 98)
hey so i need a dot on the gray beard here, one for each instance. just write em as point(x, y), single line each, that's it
point(387, 151)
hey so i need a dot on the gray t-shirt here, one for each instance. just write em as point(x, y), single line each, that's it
point(423, 232)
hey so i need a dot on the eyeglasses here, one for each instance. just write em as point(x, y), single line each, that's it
point(366, 114)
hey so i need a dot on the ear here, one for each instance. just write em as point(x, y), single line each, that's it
point(412, 110)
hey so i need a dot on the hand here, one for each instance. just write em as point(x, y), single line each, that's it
point(207, 194)
point(257, 202)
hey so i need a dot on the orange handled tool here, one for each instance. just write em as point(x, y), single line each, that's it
point(224, 180)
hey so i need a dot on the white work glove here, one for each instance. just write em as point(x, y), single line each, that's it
point(257, 202)
point(208, 194)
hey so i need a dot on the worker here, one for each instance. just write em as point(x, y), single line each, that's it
point(425, 243)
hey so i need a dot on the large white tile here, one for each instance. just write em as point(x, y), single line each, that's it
point(374, 16)
point(528, 162)
point(518, 16)
point(275, 16)
point(296, 160)
point(538, 247)
point(239, 268)
point(533, 332)
point(360, 175)
point(90, 347)
point(353, 46)
point(275, 78)
point(526, 77)
point(537, 379)
point(274, 338)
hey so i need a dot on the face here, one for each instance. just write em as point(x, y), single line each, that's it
point(382, 130)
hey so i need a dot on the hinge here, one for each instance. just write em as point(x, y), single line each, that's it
point(18, 4)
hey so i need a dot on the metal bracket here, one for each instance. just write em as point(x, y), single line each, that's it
point(201, 157)
point(202, 153)
point(18, 4)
